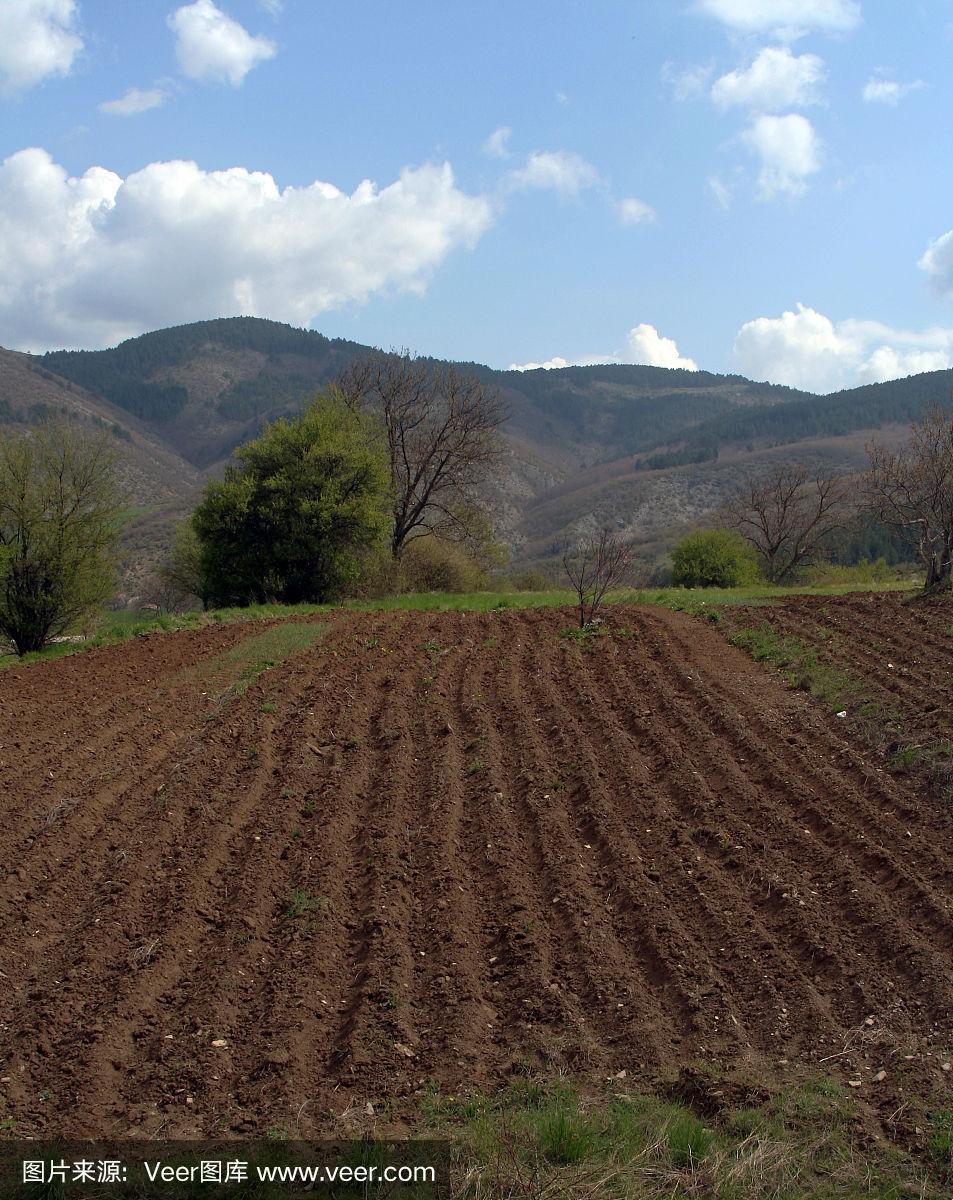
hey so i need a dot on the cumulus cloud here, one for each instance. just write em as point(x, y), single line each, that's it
point(551, 364)
point(38, 39)
point(633, 211)
point(87, 261)
point(937, 261)
point(789, 151)
point(881, 90)
point(555, 170)
point(805, 349)
point(776, 79)
point(497, 144)
point(133, 102)
point(213, 47)
point(786, 18)
point(644, 346)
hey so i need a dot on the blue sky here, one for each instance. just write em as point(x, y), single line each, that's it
point(760, 186)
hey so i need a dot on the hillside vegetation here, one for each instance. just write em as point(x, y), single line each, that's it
point(644, 450)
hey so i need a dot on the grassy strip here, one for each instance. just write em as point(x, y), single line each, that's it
point(118, 626)
point(239, 666)
point(549, 1140)
point(801, 666)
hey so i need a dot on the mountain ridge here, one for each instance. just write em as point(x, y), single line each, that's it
point(648, 450)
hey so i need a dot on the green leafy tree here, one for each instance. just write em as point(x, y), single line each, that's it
point(60, 508)
point(713, 558)
point(289, 519)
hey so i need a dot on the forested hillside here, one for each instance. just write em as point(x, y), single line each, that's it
point(638, 448)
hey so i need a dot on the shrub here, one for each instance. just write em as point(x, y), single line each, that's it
point(290, 518)
point(530, 579)
point(713, 558)
point(430, 564)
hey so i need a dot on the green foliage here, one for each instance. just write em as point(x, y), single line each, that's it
point(290, 518)
point(60, 509)
point(713, 558)
point(180, 573)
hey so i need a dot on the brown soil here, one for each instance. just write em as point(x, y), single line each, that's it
point(895, 655)
point(444, 848)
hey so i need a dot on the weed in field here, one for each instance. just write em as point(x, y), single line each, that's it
point(300, 904)
point(267, 707)
point(476, 767)
point(940, 1143)
point(688, 1139)
point(566, 1136)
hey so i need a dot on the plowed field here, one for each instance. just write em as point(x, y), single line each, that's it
point(443, 848)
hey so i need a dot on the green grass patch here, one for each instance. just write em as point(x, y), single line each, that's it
point(238, 667)
point(802, 666)
point(552, 1139)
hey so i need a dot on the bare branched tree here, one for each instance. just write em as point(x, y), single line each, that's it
point(441, 430)
point(594, 567)
point(912, 491)
point(787, 515)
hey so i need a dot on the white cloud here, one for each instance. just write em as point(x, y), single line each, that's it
point(633, 211)
point(721, 192)
point(937, 261)
point(497, 144)
point(134, 101)
point(556, 170)
point(38, 39)
point(211, 46)
point(786, 18)
point(688, 82)
point(880, 90)
point(644, 347)
point(87, 261)
point(789, 151)
point(805, 349)
point(274, 8)
point(551, 364)
point(777, 79)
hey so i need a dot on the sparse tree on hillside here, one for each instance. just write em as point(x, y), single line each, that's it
point(788, 515)
point(912, 491)
point(440, 427)
point(595, 566)
point(60, 507)
point(179, 575)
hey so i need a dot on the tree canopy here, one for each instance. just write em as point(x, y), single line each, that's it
point(293, 512)
point(60, 508)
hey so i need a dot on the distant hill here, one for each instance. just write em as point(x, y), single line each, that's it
point(644, 449)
